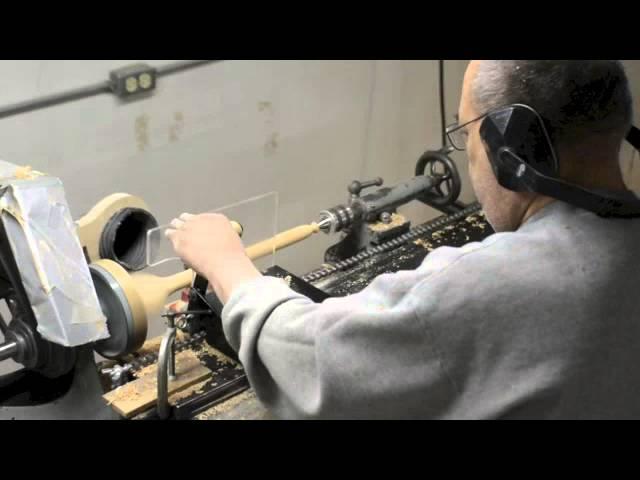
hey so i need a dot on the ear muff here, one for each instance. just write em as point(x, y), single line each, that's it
point(523, 159)
point(514, 134)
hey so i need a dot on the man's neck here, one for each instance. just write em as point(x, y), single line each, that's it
point(535, 206)
point(593, 164)
point(606, 178)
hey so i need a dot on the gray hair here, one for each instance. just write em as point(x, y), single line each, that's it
point(574, 97)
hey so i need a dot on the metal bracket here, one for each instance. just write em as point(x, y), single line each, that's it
point(166, 369)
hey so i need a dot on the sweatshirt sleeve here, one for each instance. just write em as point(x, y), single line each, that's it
point(365, 356)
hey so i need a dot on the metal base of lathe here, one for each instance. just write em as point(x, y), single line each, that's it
point(26, 395)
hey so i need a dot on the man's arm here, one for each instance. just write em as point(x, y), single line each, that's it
point(368, 355)
point(364, 356)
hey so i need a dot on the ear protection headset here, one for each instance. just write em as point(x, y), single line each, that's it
point(524, 160)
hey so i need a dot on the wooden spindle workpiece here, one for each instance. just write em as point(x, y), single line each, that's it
point(281, 240)
point(147, 294)
point(155, 290)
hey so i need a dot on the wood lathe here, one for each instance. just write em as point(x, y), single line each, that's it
point(191, 372)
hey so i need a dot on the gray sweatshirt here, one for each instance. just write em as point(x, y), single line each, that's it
point(539, 323)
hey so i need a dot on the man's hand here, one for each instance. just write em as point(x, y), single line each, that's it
point(209, 245)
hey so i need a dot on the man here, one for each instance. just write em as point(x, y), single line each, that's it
point(540, 320)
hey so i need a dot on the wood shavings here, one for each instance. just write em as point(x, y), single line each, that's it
point(228, 405)
point(134, 397)
point(143, 372)
point(219, 355)
point(396, 221)
point(196, 389)
point(287, 280)
point(424, 244)
point(479, 225)
point(26, 173)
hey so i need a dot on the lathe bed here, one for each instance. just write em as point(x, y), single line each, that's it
point(227, 395)
point(455, 230)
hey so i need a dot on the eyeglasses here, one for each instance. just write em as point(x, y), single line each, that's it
point(457, 135)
